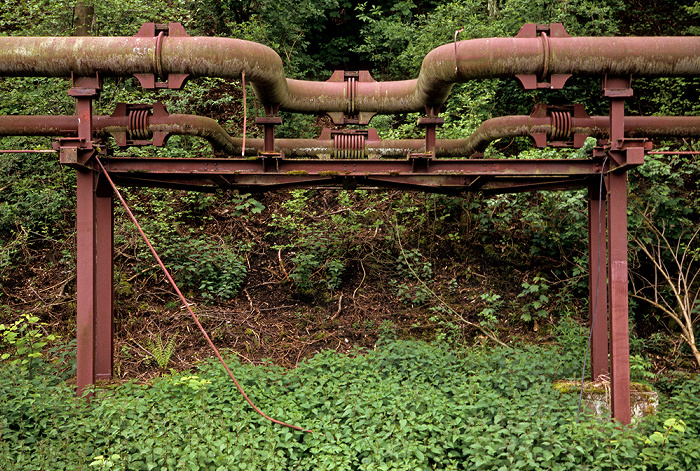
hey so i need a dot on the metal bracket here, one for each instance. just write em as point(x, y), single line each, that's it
point(351, 79)
point(430, 124)
point(85, 87)
point(626, 153)
point(268, 123)
point(561, 118)
point(159, 32)
point(617, 87)
point(420, 162)
point(544, 80)
point(270, 161)
point(77, 151)
point(74, 152)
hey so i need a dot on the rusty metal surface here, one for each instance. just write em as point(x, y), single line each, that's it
point(487, 132)
point(617, 294)
point(86, 289)
point(443, 175)
point(441, 69)
point(104, 281)
point(597, 279)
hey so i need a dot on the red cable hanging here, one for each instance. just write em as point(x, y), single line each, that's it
point(245, 114)
point(187, 305)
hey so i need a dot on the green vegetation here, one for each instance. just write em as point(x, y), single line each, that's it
point(404, 405)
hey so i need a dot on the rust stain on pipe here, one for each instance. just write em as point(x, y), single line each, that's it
point(489, 131)
point(226, 58)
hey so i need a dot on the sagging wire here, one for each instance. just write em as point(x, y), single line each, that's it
point(187, 305)
point(597, 285)
point(245, 114)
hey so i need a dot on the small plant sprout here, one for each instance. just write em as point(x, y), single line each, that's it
point(162, 351)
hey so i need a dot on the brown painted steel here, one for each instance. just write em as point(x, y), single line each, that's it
point(597, 278)
point(85, 278)
point(441, 69)
point(302, 167)
point(617, 293)
point(104, 282)
point(444, 175)
point(617, 88)
point(487, 132)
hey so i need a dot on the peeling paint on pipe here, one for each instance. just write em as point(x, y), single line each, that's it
point(595, 126)
point(489, 131)
point(441, 69)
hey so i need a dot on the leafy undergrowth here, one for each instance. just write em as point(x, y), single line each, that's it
point(404, 405)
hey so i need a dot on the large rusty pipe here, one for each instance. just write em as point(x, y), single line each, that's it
point(487, 132)
point(441, 69)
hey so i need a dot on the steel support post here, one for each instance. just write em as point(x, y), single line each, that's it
point(94, 221)
point(95, 280)
point(617, 297)
point(86, 278)
point(617, 89)
point(104, 280)
point(597, 280)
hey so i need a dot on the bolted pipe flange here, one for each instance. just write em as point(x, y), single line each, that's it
point(351, 115)
point(159, 79)
point(543, 80)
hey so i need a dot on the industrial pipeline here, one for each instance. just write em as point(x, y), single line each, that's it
point(541, 60)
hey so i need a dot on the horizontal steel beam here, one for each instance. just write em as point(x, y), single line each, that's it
point(357, 168)
point(442, 175)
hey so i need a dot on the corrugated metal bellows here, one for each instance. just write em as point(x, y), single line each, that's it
point(349, 144)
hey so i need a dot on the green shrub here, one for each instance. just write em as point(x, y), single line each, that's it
point(404, 405)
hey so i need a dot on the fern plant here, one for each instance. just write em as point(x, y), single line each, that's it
point(161, 351)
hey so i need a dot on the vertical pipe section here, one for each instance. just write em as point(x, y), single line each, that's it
point(597, 286)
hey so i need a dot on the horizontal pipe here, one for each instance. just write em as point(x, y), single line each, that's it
point(34, 151)
point(594, 126)
point(441, 69)
point(177, 124)
point(487, 132)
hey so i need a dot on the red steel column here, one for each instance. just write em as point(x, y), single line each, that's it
point(597, 280)
point(104, 282)
point(94, 245)
point(617, 276)
point(617, 89)
point(85, 222)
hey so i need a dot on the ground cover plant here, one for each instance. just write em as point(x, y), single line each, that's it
point(403, 405)
point(284, 276)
